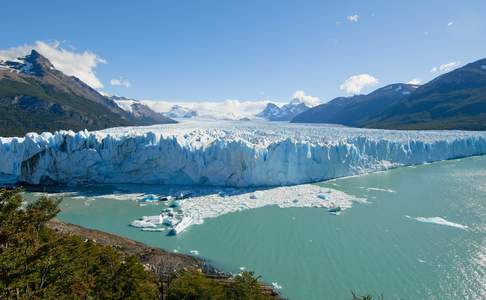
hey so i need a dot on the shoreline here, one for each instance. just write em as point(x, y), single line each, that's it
point(165, 265)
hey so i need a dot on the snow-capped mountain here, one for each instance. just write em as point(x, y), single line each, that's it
point(287, 112)
point(178, 111)
point(141, 111)
point(36, 97)
point(213, 110)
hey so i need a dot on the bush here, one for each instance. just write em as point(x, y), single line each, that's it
point(194, 285)
point(38, 263)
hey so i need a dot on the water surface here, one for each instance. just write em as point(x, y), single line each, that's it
point(370, 248)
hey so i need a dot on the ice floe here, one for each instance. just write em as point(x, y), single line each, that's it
point(439, 221)
point(276, 286)
point(194, 210)
point(378, 189)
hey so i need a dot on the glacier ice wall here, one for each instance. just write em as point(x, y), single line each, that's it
point(223, 154)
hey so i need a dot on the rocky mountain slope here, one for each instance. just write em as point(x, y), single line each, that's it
point(455, 100)
point(356, 110)
point(34, 96)
point(140, 111)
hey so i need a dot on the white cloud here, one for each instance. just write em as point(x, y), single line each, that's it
point(79, 64)
point(450, 24)
point(356, 83)
point(120, 82)
point(306, 99)
point(415, 81)
point(228, 109)
point(338, 23)
point(445, 67)
point(353, 18)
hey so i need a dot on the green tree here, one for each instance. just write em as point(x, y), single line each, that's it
point(38, 263)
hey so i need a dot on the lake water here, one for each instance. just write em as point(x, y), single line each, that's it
point(378, 247)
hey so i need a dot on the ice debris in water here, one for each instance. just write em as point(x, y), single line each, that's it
point(223, 153)
point(276, 286)
point(196, 209)
point(378, 189)
point(439, 221)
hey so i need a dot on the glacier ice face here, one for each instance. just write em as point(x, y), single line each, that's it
point(223, 153)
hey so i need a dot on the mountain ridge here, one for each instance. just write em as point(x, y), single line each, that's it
point(34, 96)
point(287, 112)
point(454, 100)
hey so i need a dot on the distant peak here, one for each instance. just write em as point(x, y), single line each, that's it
point(40, 64)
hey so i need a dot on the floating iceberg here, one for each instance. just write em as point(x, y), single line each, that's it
point(223, 154)
point(142, 224)
point(181, 226)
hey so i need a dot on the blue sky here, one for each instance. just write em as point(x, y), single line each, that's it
point(249, 50)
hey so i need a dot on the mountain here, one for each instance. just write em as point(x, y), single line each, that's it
point(34, 96)
point(140, 111)
point(178, 111)
point(356, 110)
point(455, 100)
point(287, 112)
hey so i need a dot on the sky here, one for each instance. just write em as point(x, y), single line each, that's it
point(247, 50)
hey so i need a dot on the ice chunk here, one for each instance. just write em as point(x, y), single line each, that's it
point(157, 219)
point(440, 221)
point(142, 224)
point(154, 229)
point(276, 286)
point(181, 226)
point(378, 189)
point(150, 198)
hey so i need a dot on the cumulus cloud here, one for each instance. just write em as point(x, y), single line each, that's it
point(445, 67)
point(415, 81)
point(353, 18)
point(120, 82)
point(306, 99)
point(356, 83)
point(450, 24)
point(79, 64)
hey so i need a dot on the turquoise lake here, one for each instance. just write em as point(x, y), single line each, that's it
point(371, 248)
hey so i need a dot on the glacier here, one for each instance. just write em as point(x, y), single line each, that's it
point(232, 154)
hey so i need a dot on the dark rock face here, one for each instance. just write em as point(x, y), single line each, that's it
point(35, 97)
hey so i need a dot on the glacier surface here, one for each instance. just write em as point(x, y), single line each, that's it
point(238, 154)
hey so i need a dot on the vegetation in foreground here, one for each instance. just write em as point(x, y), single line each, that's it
point(38, 263)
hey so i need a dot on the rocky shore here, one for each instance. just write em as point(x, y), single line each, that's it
point(165, 265)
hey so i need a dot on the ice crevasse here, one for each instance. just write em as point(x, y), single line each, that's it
point(223, 155)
